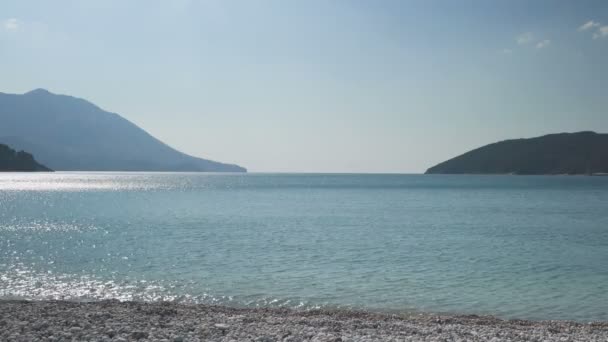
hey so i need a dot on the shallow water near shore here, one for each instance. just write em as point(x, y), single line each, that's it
point(512, 246)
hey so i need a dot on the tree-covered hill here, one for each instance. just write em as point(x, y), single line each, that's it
point(564, 153)
point(11, 160)
point(71, 134)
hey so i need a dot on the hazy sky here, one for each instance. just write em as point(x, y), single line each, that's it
point(320, 85)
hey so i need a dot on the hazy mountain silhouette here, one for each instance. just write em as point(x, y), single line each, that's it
point(68, 133)
point(564, 153)
point(11, 160)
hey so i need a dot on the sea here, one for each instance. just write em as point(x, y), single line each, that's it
point(526, 247)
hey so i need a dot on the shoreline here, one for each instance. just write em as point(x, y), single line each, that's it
point(112, 320)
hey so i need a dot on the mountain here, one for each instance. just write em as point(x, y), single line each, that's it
point(564, 153)
point(68, 133)
point(11, 160)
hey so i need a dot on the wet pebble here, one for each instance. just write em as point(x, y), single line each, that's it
point(170, 322)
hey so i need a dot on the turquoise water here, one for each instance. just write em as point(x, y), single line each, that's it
point(512, 246)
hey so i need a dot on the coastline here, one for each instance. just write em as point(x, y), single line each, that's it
point(22, 320)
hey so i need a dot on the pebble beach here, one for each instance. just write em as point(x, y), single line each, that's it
point(164, 321)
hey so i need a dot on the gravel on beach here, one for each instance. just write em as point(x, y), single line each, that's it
point(134, 321)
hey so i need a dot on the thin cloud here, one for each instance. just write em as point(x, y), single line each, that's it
point(507, 51)
point(11, 24)
point(543, 44)
point(596, 27)
point(589, 25)
point(601, 32)
point(525, 38)
point(528, 38)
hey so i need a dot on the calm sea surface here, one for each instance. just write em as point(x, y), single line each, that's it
point(512, 246)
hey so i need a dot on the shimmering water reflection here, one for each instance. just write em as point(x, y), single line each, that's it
point(526, 247)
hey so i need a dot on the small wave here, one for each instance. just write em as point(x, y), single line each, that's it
point(21, 282)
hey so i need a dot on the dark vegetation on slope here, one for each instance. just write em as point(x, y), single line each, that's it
point(11, 160)
point(564, 153)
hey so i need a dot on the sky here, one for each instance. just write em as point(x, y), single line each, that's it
point(320, 85)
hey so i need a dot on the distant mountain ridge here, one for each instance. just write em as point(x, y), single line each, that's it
point(563, 153)
point(68, 133)
point(11, 160)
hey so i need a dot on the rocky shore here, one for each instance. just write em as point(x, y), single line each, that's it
point(130, 321)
